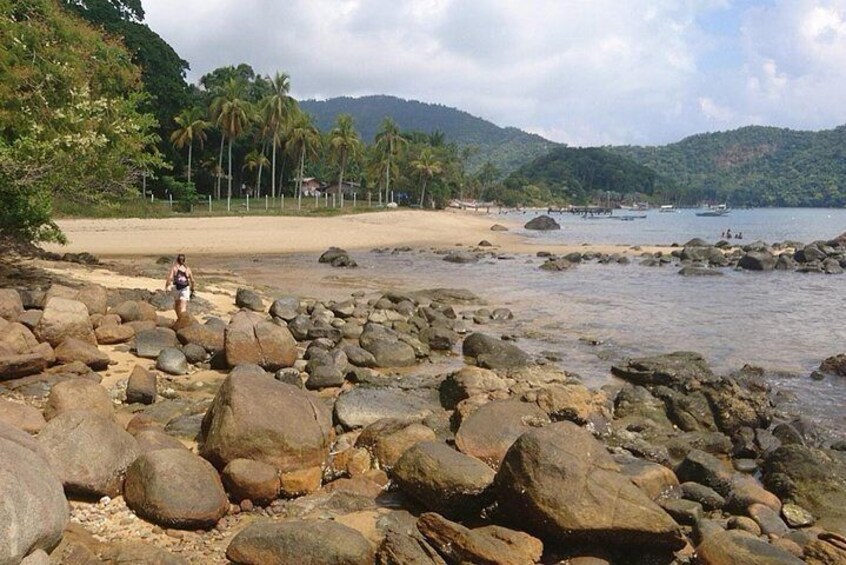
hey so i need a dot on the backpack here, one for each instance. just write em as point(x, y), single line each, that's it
point(180, 279)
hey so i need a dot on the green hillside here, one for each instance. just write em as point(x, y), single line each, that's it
point(757, 166)
point(579, 175)
point(507, 148)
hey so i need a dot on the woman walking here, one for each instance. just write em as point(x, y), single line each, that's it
point(180, 279)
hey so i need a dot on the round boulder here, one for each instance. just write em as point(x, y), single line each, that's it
point(78, 394)
point(246, 479)
point(172, 361)
point(543, 223)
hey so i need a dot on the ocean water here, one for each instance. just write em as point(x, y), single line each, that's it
point(595, 315)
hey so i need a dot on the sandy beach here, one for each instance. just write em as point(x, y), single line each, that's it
point(273, 235)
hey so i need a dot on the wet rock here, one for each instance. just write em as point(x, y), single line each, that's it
point(729, 547)
point(21, 416)
point(560, 484)
point(388, 439)
point(444, 480)
point(671, 369)
point(493, 545)
point(693, 271)
point(707, 497)
point(337, 257)
point(492, 353)
point(313, 542)
point(78, 394)
point(834, 365)
point(175, 488)
point(250, 338)
point(757, 261)
point(557, 264)
point(150, 343)
point(542, 223)
point(260, 418)
point(245, 479)
point(73, 349)
point(491, 430)
point(88, 452)
point(172, 361)
point(362, 406)
point(34, 510)
point(250, 299)
point(461, 257)
point(63, 319)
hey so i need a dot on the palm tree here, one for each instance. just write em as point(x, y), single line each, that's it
point(233, 113)
point(303, 138)
point(345, 145)
point(256, 160)
point(191, 126)
point(277, 109)
point(389, 141)
point(427, 166)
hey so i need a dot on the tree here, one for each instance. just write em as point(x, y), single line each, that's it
point(427, 166)
point(233, 116)
point(304, 140)
point(71, 122)
point(345, 145)
point(277, 109)
point(191, 126)
point(256, 160)
point(389, 141)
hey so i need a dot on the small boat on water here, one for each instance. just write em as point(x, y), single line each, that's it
point(715, 212)
point(668, 209)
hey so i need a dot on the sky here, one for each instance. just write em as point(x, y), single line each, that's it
point(582, 72)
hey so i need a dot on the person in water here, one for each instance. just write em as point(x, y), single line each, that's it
point(180, 280)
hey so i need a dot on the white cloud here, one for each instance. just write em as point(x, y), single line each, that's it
point(604, 71)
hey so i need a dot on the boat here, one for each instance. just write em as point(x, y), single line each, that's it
point(668, 208)
point(715, 212)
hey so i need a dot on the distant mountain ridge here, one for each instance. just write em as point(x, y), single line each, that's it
point(508, 148)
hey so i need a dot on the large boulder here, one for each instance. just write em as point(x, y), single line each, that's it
point(64, 318)
point(34, 510)
point(73, 349)
point(444, 480)
point(11, 305)
point(560, 484)
point(492, 353)
point(260, 418)
point(149, 343)
point(207, 336)
point(735, 547)
point(672, 369)
point(387, 347)
point(246, 479)
point(249, 338)
point(113, 334)
point(388, 439)
point(543, 223)
point(17, 338)
point(250, 299)
point(78, 394)
point(135, 311)
point(815, 479)
point(21, 416)
point(175, 488)
point(17, 366)
point(491, 430)
point(95, 298)
point(362, 406)
point(757, 261)
point(303, 542)
point(88, 452)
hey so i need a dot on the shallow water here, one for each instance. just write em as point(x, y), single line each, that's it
point(784, 322)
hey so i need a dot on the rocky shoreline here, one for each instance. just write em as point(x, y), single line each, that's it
point(303, 431)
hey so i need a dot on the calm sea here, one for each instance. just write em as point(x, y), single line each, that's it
point(786, 323)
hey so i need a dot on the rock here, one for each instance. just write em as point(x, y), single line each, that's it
point(560, 484)
point(89, 453)
point(300, 482)
point(670, 370)
point(16, 338)
point(768, 519)
point(337, 258)
point(444, 480)
point(491, 430)
point(461, 257)
point(245, 479)
point(498, 227)
point(313, 542)
point(260, 418)
point(705, 469)
point(401, 548)
point(490, 545)
point(208, 337)
point(734, 547)
point(834, 365)
point(251, 339)
point(141, 386)
point(362, 406)
point(683, 511)
point(796, 516)
point(153, 439)
point(172, 361)
point(73, 349)
point(360, 357)
point(388, 439)
point(250, 299)
point(469, 382)
point(11, 306)
point(692, 271)
point(654, 479)
point(811, 478)
point(34, 510)
point(825, 549)
point(707, 497)
point(542, 223)
point(175, 488)
point(285, 307)
point(21, 416)
point(492, 353)
point(78, 394)
point(95, 298)
point(17, 366)
point(557, 264)
point(194, 353)
point(113, 334)
point(62, 319)
point(757, 261)
point(135, 311)
point(150, 343)
point(134, 552)
point(439, 339)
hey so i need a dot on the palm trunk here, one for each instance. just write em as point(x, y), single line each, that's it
point(261, 166)
point(300, 180)
point(388, 169)
point(229, 185)
point(341, 181)
point(273, 171)
point(423, 193)
point(190, 150)
point(219, 168)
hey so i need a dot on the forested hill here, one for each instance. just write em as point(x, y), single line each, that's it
point(758, 166)
point(507, 148)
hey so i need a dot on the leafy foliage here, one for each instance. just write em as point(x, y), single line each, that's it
point(757, 166)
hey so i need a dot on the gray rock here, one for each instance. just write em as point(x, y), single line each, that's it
point(175, 488)
point(194, 353)
point(285, 307)
point(492, 353)
point(172, 361)
point(289, 375)
point(739, 547)
point(757, 261)
point(461, 257)
point(64, 318)
point(706, 496)
point(691, 271)
point(361, 406)
point(248, 298)
point(149, 343)
point(360, 357)
point(542, 223)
